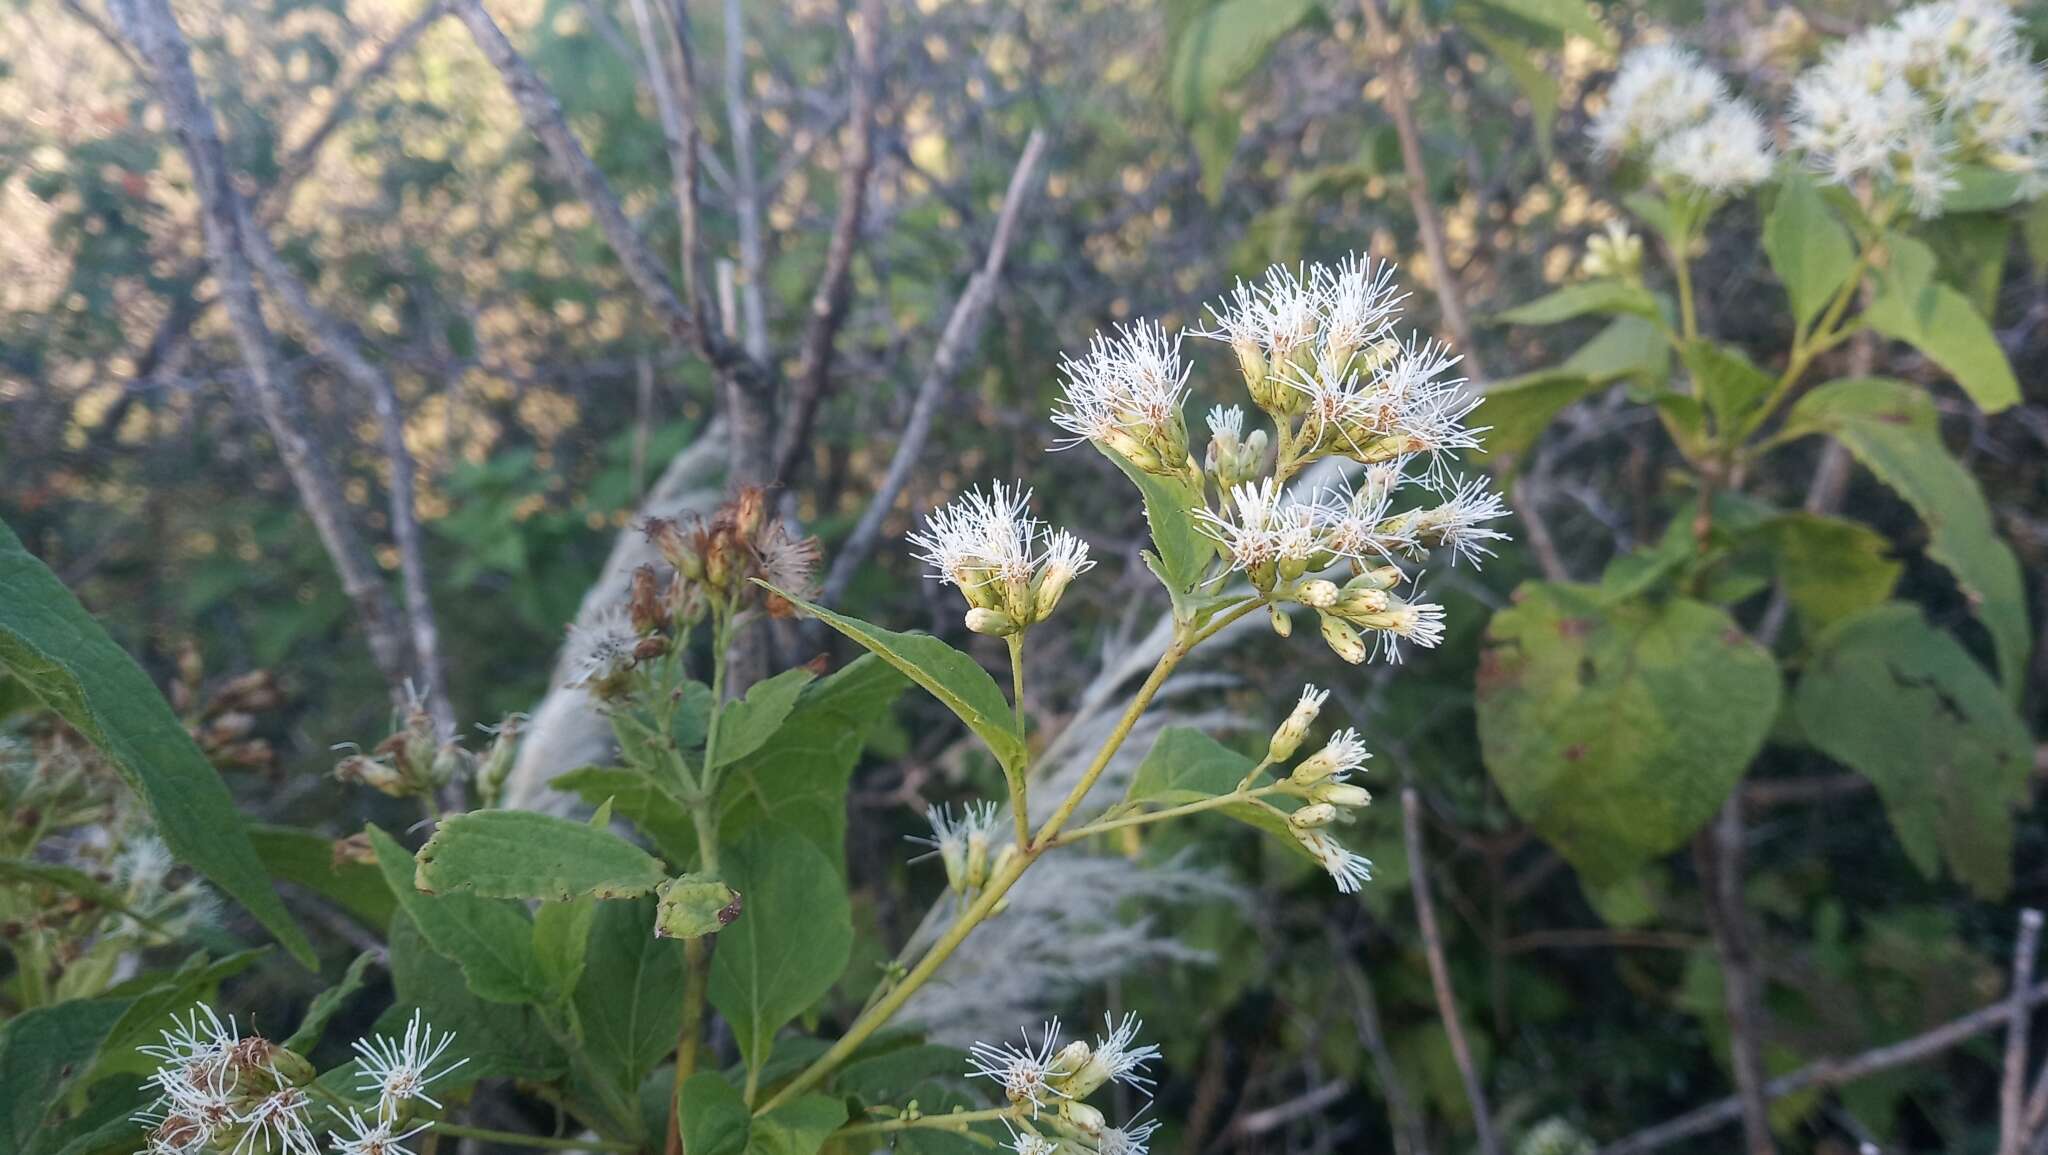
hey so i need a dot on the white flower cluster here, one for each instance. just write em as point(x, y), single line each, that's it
point(1011, 567)
point(1055, 1080)
point(1668, 108)
point(963, 844)
point(1904, 105)
point(1321, 782)
point(221, 1091)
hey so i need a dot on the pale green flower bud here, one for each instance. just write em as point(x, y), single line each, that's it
point(1287, 739)
point(1085, 1119)
point(1343, 640)
point(994, 623)
point(1344, 753)
point(1282, 624)
point(1072, 1059)
point(1313, 815)
point(1341, 794)
point(1353, 602)
point(1320, 593)
point(975, 869)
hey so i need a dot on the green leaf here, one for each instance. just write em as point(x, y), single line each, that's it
point(952, 677)
point(694, 905)
point(797, 1128)
point(1516, 411)
point(561, 941)
point(1537, 81)
point(799, 778)
point(744, 725)
point(1572, 17)
point(1809, 249)
point(498, 1041)
point(1630, 347)
point(1579, 300)
point(631, 994)
point(1889, 427)
point(1726, 380)
point(1940, 322)
point(791, 943)
point(54, 647)
point(1830, 568)
point(1980, 189)
point(640, 799)
point(712, 1116)
point(521, 854)
point(1906, 706)
point(1616, 730)
point(491, 939)
point(1186, 765)
point(1183, 550)
point(155, 998)
point(307, 859)
point(44, 1052)
point(327, 1004)
point(1223, 45)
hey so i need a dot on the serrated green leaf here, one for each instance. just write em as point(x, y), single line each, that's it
point(791, 943)
point(1907, 707)
point(744, 725)
point(1889, 427)
point(1830, 568)
point(631, 993)
point(712, 1116)
point(1590, 297)
point(561, 942)
point(498, 1040)
point(44, 1053)
point(1809, 249)
point(955, 679)
point(56, 649)
point(523, 854)
point(327, 1004)
point(490, 939)
point(1941, 323)
point(639, 799)
point(1616, 730)
point(1726, 380)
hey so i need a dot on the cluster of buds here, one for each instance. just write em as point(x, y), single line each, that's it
point(219, 1091)
point(1048, 1083)
point(411, 762)
point(717, 559)
point(1011, 567)
point(1125, 397)
point(1321, 782)
point(223, 722)
point(965, 844)
point(1614, 253)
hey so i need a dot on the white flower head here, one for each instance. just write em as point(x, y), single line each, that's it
point(1728, 152)
point(1419, 622)
point(601, 648)
point(194, 1051)
point(1267, 526)
point(278, 1123)
point(1030, 1142)
point(1360, 302)
point(1226, 421)
point(372, 1137)
point(1025, 1071)
point(1658, 90)
point(999, 555)
point(1126, 393)
point(962, 842)
point(400, 1069)
point(1272, 317)
point(1350, 871)
point(1133, 1138)
point(1118, 1056)
point(1459, 524)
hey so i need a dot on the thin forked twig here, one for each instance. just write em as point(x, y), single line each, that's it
point(2012, 1129)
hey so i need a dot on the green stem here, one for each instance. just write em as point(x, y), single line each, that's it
point(999, 884)
point(1211, 803)
point(1020, 802)
point(515, 1139)
point(697, 951)
point(957, 1121)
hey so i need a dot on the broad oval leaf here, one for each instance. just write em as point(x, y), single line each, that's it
point(57, 650)
point(1183, 550)
point(521, 854)
point(798, 1128)
point(1889, 427)
point(1590, 297)
point(1517, 410)
point(788, 947)
point(630, 996)
point(1941, 322)
point(952, 677)
point(1904, 705)
point(1616, 729)
point(44, 1052)
point(744, 725)
point(712, 1116)
point(1809, 249)
point(491, 939)
point(508, 1041)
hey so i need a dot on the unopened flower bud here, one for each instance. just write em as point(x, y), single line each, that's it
point(1282, 624)
point(1353, 602)
point(1384, 577)
point(644, 603)
point(1069, 1062)
point(1313, 815)
point(749, 507)
point(1287, 738)
point(1087, 1120)
point(649, 648)
point(1320, 593)
point(1344, 641)
point(292, 1068)
point(994, 623)
point(451, 762)
point(496, 764)
point(976, 867)
point(1340, 794)
point(378, 775)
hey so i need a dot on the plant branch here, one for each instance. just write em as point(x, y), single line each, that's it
point(1718, 855)
point(1828, 1073)
point(671, 79)
point(1409, 1137)
point(834, 290)
point(956, 1121)
point(2012, 1130)
point(963, 327)
point(1440, 972)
